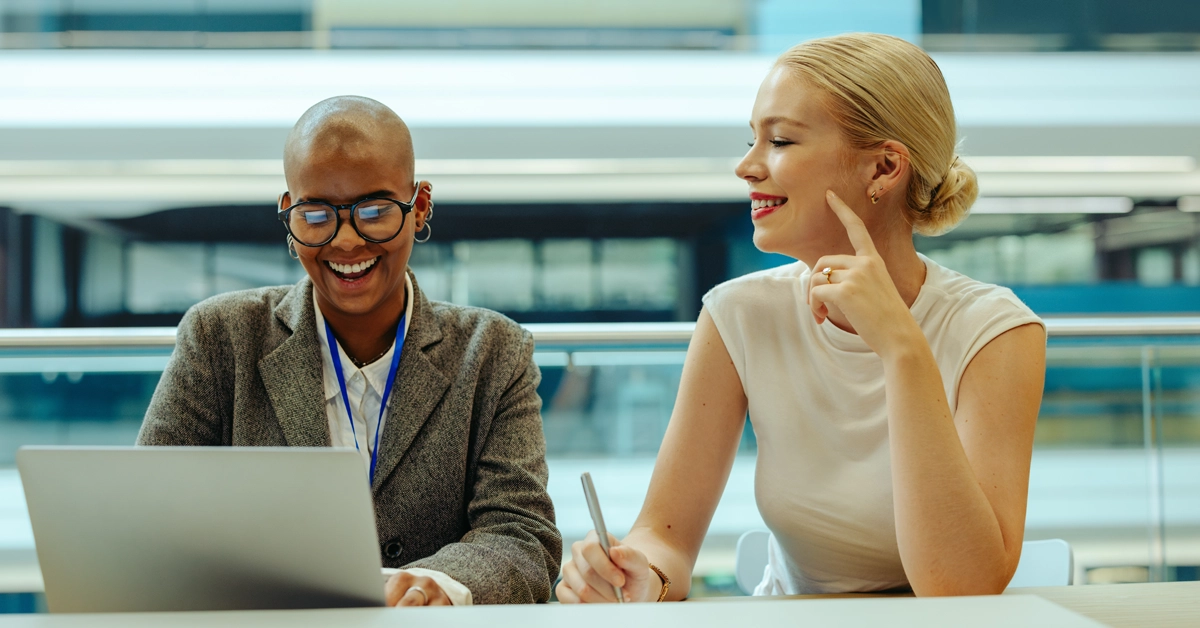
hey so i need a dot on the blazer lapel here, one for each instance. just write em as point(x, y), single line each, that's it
point(292, 373)
point(419, 386)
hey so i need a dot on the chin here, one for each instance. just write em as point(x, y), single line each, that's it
point(353, 306)
point(766, 241)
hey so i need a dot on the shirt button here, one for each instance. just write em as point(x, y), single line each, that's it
point(392, 550)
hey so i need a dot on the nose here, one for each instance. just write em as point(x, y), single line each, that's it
point(346, 238)
point(751, 167)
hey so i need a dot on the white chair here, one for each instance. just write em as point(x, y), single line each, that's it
point(1048, 563)
point(751, 559)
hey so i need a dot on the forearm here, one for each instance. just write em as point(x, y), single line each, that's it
point(949, 537)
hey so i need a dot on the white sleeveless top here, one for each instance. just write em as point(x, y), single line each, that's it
point(816, 400)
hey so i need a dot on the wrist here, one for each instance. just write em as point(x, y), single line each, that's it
point(904, 344)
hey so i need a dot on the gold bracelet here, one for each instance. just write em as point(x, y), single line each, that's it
point(662, 595)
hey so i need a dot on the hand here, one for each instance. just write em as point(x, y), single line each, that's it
point(589, 576)
point(405, 589)
point(860, 287)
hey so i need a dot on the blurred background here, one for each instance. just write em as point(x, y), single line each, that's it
point(581, 155)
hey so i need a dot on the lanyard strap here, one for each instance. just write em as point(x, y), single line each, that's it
point(387, 389)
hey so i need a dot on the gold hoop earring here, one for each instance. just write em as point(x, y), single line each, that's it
point(874, 201)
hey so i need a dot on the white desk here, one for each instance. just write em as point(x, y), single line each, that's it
point(1027, 611)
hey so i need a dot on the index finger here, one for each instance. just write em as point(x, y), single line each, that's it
point(860, 238)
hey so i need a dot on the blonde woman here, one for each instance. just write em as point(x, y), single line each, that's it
point(894, 400)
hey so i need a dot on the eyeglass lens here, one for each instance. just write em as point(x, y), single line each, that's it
point(375, 219)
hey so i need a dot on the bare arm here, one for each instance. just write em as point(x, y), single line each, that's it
point(689, 476)
point(960, 484)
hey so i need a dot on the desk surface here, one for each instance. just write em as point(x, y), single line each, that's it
point(1165, 605)
point(1157, 605)
point(978, 612)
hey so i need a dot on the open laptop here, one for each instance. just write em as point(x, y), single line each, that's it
point(201, 528)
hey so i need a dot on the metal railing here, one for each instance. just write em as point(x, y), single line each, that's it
point(566, 336)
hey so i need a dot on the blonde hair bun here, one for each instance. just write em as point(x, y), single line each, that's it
point(881, 88)
point(950, 201)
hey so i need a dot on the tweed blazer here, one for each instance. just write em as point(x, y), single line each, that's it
point(460, 485)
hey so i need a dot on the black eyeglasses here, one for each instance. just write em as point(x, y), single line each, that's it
point(316, 223)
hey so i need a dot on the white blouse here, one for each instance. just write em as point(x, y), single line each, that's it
point(817, 405)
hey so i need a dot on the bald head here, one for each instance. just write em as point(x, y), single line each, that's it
point(348, 127)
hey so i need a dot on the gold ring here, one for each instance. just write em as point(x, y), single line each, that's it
point(421, 591)
point(827, 272)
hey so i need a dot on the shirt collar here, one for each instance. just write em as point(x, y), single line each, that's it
point(376, 372)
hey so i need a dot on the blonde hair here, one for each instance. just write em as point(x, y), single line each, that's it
point(883, 88)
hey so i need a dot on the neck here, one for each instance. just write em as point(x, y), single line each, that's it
point(365, 337)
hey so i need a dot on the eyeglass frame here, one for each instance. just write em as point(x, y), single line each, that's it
point(405, 208)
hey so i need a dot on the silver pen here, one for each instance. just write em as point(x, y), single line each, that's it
point(593, 502)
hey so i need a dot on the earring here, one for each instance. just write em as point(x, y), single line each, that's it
point(428, 229)
point(292, 248)
point(875, 201)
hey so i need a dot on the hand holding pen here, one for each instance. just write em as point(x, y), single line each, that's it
point(594, 574)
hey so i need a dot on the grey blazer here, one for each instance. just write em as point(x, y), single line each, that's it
point(460, 485)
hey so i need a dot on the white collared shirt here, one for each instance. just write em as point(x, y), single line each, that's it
point(364, 388)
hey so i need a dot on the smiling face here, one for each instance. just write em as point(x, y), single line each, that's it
point(798, 152)
point(354, 277)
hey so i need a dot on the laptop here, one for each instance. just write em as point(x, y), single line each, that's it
point(123, 529)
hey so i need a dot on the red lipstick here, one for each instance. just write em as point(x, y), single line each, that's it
point(759, 209)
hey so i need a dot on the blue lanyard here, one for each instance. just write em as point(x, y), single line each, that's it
point(387, 389)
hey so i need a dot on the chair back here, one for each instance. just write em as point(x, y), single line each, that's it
point(1048, 563)
point(751, 560)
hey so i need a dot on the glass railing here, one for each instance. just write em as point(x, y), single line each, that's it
point(1116, 466)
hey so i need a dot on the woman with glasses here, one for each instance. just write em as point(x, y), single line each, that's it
point(893, 400)
point(439, 400)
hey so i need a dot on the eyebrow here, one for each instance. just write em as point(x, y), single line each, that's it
point(780, 119)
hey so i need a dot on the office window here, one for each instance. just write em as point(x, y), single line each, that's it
point(242, 266)
point(499, 274)
point(102, 285)
point(638, 274)
point(166, 277)
point(567, 280)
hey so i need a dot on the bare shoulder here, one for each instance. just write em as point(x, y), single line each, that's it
point(1020, 351)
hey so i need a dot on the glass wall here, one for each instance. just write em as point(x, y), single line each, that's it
point(1115, 466)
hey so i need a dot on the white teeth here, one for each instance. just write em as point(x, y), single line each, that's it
point(347, 269)
point(759, 204)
